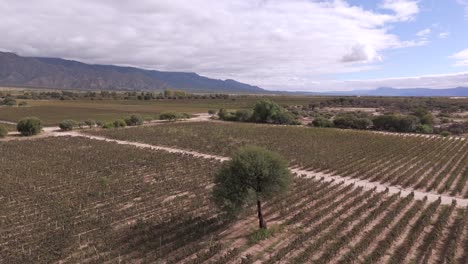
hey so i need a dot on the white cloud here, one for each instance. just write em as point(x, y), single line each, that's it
point(404, 9)
point(461, 57)
point(444, 35)
point(261, 42)
point(424, 33)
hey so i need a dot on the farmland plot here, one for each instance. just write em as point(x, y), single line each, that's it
point(436, 164)
point(79, 200)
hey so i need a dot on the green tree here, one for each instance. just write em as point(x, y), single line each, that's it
point(29, 126)
point(266, 111)
point(252, 175)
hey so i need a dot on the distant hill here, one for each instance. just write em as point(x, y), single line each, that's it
point(387, 91)
point(68, 74)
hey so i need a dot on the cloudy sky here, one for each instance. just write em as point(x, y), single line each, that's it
point(276, 44)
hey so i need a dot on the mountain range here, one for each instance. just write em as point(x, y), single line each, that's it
point(388, 91)
point(56, 73)
point(68, 74)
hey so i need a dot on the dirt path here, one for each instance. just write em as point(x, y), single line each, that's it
point(7, 122)
point(367, 185)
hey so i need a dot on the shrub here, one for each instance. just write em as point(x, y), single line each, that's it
point(23, 103)
point(67, 125)
point(226, 115)
point(286, 118)
point(3, 132)
point(356, 120)
point(243, 115)
point(99, 123)
point(445, 133)
point(29, 126)
point(321, 122)
point(119, 123)
point(81, 124)
point(171, 116)
point(90, 123)
point(9, 101)
point(212, 112)
point(266, 111)
point(397, 123)
point(424, 129)
point(108, 125)
point(134, 120)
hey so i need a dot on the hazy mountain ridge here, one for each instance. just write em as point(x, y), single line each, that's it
point(68, 74)
point(388, 91)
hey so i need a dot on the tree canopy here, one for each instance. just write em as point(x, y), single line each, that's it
point(252, 175)
point(29, 126)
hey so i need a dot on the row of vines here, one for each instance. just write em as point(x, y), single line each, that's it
point(433, 164)
point(75, 200)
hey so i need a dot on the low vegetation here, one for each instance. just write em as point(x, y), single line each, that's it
point(264, 111)
point(108, 203)
point(29, 126)
point(67, 125)
point(3, 131)
point(432, 164)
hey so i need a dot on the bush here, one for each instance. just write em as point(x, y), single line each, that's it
point(243, 115)
point(134, 120)
point(356, 120)
point(90, 123)
point(212, 112)
point(396, 123)
point(226, 115)
point(445, 133)
point(23, 103)
point(119, 123)
point(108, 125)
point(322, 122)
point(424, 129)
point(99, 123)
point(9, 101)
point(29, 126)
point(266, 111)
point(3, 132)
point(286, 118)
point(67, 125)
point(172, 116)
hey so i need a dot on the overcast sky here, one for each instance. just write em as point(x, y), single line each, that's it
point(275, 44)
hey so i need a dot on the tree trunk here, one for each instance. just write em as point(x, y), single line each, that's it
point(261, 221)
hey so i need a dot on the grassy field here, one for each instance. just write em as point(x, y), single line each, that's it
point(53, 111)
point(72, 200)
point(429, 164)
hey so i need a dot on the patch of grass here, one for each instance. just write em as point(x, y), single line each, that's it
point(262, 234)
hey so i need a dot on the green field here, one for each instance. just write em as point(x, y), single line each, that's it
point(431, 164)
